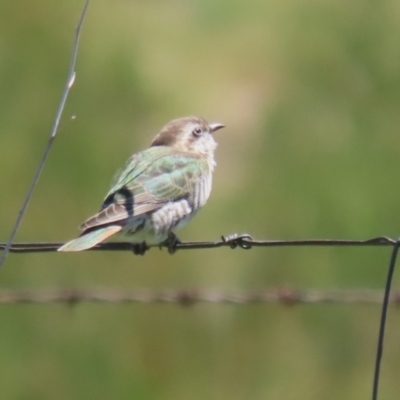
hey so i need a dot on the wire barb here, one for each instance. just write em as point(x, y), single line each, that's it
point(235, 240)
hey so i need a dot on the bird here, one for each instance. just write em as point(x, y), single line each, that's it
point(159, 190)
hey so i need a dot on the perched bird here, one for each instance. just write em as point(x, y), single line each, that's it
point(160, 189)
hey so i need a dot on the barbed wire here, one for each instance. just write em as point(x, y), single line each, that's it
point(283, 296)
point(244, 241)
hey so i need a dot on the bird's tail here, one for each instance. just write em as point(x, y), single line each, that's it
point(88, 240)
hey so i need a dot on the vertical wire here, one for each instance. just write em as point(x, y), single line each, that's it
point(382, 325)
point(70, 82)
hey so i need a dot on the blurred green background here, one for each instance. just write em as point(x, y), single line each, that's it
point(310, 94)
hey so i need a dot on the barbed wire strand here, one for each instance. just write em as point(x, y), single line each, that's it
point(283, 296)
point(382, 324)
point(53, 133)
point(244, 241)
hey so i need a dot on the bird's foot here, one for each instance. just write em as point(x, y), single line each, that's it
point(171, 242)
point(139, 249)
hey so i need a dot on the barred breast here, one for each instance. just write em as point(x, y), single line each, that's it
point(175, 215)
point(172, 215)
point(201, 191)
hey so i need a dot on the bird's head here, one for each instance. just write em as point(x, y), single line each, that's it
point(189, 134)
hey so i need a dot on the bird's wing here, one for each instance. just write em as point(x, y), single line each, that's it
point(148, 182)
point(136, 165)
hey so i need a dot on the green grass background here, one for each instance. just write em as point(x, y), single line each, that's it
point(310, 93)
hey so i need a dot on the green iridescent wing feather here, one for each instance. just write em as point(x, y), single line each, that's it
point(151, 179)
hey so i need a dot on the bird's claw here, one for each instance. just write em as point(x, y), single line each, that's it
point(139, 249)
point(171, 242)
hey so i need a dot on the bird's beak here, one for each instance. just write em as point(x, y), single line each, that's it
point(215, 126)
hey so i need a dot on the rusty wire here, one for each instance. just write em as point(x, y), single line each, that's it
point(283, 296)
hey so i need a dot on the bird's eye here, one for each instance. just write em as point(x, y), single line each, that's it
point(197, 131)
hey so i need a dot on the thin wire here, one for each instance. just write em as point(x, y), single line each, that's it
point(283, 296)
point(233, 241)
point(382, 325)
point(70, 82)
